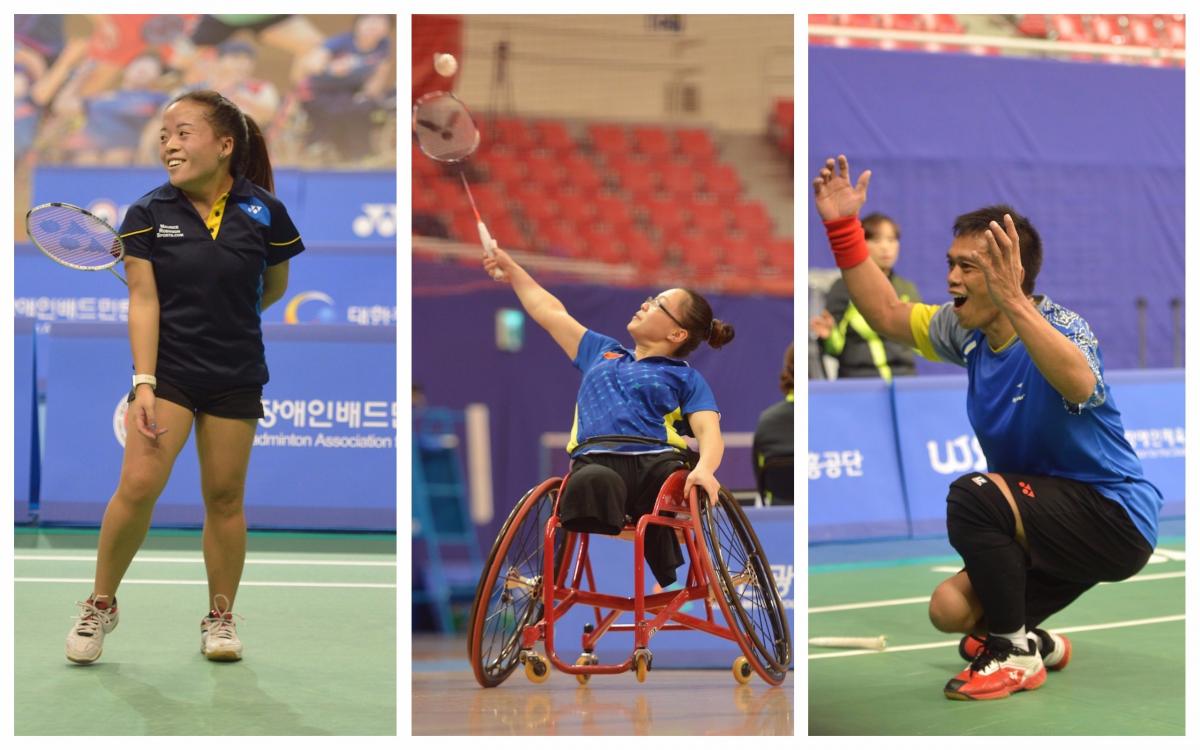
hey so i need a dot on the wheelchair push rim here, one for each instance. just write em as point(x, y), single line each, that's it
point(745, 587)
point(509, 594)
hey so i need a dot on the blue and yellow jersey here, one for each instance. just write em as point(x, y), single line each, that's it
point(1025, 426)
point(209, 273)
point(621, 395)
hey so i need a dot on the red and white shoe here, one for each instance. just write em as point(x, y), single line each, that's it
point(96, 619)
point(1000, 670)
point(1055, 657)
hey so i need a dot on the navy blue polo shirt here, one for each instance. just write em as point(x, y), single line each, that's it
point(621, 395)
point(209, 274)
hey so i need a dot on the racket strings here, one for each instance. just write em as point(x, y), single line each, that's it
point(444, 128)
point(74, 238)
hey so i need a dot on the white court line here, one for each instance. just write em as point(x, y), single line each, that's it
point(925, 599)
point(200, 561)
point(942, 644)
point(262, 584)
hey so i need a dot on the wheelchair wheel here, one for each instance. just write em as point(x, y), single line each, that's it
point(509, 594)
point(747, 586)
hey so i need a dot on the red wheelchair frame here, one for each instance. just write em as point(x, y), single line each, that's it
point(651, 613)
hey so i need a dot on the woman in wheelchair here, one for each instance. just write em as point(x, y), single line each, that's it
point(633, 409)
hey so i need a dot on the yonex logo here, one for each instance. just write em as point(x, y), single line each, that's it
point(1026, 489)
point(376, 218)
point(255, 209)
point(980, 481)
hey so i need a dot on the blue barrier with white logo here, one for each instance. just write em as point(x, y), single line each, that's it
point(855, 487)
point(25, 434)
point(612, 564)
point(324, 455)
point(936, 445)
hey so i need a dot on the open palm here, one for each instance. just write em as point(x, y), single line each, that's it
point(836, 196)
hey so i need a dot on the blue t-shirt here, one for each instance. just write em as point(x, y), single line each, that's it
point(620, 395)
point(1025, 426)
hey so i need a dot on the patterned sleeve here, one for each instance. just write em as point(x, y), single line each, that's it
point(1079, 333)
point(938, 335)
point(591, 346)
point(137, 232)
point(283, 241)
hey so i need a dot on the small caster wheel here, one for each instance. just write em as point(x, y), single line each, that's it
point(585, 660)
point(742, 670)
point(536, 669)
point(642, 659)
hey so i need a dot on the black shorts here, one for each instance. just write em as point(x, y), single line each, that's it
point(241, 402)
point(606, 490)
point(1077, 538)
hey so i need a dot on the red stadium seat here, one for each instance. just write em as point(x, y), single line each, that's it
point(578, 213)
point(1139, 30)
point(652, 141)
point(544, 169)
point(1067, 27)
point(751, 218)
point(678, 178)
point(502, 165)
point(708, 216)
point(696, 145)
point(1033, 25)
point(1175, 32)
point(665, 214)
point(943, 23)
point(581, 172)
point(903, 22)
point(862, 21)
point(608, 139)
point(553, 135)
point(722, 181)
point(508, 131)
point(612, 210)
point(635, 176)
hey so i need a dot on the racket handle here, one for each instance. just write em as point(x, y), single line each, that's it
point(489, 246)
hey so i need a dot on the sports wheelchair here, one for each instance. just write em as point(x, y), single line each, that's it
point(537, 571)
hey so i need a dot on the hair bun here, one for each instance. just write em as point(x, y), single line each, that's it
point(720, 335)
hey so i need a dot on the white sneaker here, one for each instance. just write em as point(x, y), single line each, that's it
point(218, 635)
point(85, 641)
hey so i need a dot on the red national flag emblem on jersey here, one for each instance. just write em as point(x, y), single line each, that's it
point(612, 355)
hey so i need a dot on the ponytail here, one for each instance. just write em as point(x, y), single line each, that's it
point(702, 326)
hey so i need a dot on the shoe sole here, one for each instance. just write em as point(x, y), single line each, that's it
point(223, 656)
point(1032, 683)
point(83, 661)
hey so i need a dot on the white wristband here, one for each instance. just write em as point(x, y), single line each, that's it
point(149, 380)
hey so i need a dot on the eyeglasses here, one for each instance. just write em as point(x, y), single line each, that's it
point(655, 301)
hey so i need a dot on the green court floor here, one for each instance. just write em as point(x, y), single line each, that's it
point(319, 635)
point(1126, 675)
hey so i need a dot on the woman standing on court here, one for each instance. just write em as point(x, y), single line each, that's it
point(646, 392)
point(205, 254)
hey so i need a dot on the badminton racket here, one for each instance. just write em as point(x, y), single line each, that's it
point(446, 133)
point(75, 237)
point(878, 643)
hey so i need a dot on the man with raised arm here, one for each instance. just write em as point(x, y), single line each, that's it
point(1065, 504)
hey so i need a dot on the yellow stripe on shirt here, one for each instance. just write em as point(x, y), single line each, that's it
point(919, 321)
point(140, 231)
point(285, 244)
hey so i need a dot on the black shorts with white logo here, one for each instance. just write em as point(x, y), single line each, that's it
point(1077, 538)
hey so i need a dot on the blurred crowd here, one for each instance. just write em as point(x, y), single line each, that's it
point(88, 89)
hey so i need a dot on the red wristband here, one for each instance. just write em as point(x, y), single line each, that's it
point(848, 241)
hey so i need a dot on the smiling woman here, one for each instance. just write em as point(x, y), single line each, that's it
point(205, 254)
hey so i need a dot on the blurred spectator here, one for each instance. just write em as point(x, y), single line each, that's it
point(117, 39)
point(350, 80)
point(293, 34)
point(774, 441)
point(862, 353)
point(232, 73)
point(111, 124)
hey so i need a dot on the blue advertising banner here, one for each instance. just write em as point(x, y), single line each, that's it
point(324, 455)
point(936, 444)
point(1151, 404)
point(24, 421)
point(854, 481)
point(612, 564)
